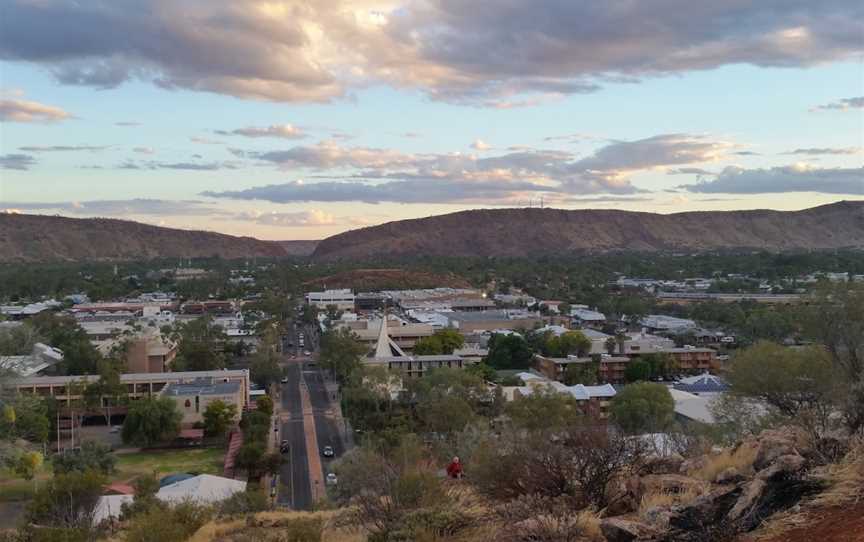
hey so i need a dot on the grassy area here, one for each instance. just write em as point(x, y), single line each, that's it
point(13, 488)
point(193, 460)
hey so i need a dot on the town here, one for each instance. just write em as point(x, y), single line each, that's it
point(268, 398)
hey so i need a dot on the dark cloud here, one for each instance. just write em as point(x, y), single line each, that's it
point(63, 148)
point(842, 105)
point(489, 53)
point(138, 206)
point(26, 111)
point(796, 178)
point(21, 162)
point(826, 150)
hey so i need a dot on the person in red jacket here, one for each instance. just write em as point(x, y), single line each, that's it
point(454, 469)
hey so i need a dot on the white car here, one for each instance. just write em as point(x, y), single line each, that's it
point(332, 480)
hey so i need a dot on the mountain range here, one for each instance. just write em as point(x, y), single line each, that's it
point(486, 233)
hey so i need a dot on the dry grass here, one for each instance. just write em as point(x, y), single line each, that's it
point(667, 499)
point(741, 458)
point(589, 524)
point(215, 530)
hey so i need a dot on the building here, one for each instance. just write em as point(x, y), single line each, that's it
point(610, 369)
point(192, 398)
point(471, 322)
point(66, 388)
point(404, 334)
point(389, 354)
point(692, 408)
point(594, 400)
point(694, 360)
point(584, 317)
point(660, 322)
point(369, 301)
point(342, 299)
point(213, 307)
point(703, 384)
point(149, 354)
point(42, 357)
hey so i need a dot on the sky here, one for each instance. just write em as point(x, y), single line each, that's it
point(301, 119)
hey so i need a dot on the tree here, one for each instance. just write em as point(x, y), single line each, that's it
point(610, 344)
point(218, 417)
point(341, 353)
point(586, 374)
point(63, 332)
point(637, 370)
point(91, 456)
point(106, 392)
point(483, 370)
point(67, 500)
point(544, 409)
point(643, 407)
point(264, 369)
point(570, 342)
point(18, 340)
point(25, 417)
point(200, 344)
point(509, 352)
point(264, 404)
point(800, 384)
point(249, 458)
point(27, 464)
point(151, 420)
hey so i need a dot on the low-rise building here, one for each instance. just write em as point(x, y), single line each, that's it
point(404, 334)
point(387, 353)
point(342, 299)
point(41, 358)
point(471, 322)
point(694, 360)
point(192, 398)
point(594, 400)
point(610, 369)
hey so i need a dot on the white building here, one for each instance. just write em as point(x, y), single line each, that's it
point(343, 299)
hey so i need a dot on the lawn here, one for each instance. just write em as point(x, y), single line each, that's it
point(165, 462)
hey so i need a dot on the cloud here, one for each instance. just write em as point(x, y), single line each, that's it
point(284, 131)
point(12, 110)
point(794, 178)
point(826, 150)
point(205, 140)
point(63, 148)
point(486, 53)
point(375, 175)
point(689, 171)
point(185, 166)
point(138, 206)
point(144, 150)
point(127, 123)
point(842, 105)
point(21, 162)
point(480, 145)
point(313, 217)
point(746, 153)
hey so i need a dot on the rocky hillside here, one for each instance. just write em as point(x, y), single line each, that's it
point(298, 248)
point(35, 238)
point(521, 232)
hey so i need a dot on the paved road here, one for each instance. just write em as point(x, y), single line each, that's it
point(295, 490)
point(325, 425)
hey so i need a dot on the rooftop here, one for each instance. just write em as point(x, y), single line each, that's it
point(202, 386)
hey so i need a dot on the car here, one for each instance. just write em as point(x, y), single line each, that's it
point(284, 380)
point(328, 451)
point(307, 353)
point(332, 480)
point(284, 447)
point(116, 428)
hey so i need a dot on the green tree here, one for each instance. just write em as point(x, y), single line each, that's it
point(264, 404)
point(587, 374)
point(200, 344)
point(67, 500)
point(25, 417)
point(570, 342)
point(509, 352)
point(28, 464)
point(483, 370)
point(610, 345)
point(151, 420)
point(799, 383)
point(443, 341)
point(91, 456)
point(643, 407)
point(218, 417)
point(63, 332)
point(341, 353)
point(544, 409)
point(637, 370)
point(107, 392)
point(448, 399)
point(18, 340)
point(264, 369)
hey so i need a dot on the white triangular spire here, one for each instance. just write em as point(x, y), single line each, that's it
point(385, 347)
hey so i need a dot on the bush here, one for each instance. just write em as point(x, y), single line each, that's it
point(168, 524)
point(245, 502)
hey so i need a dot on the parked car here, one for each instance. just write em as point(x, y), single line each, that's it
point(307, 353)
point(284, 447)
point(332, 480)
point(284, 380)
point(328, 451)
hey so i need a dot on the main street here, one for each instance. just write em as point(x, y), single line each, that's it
point(295, 489)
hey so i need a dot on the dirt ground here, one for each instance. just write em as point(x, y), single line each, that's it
point(839, 524)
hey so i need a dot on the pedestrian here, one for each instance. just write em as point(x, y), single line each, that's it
point(454, 469)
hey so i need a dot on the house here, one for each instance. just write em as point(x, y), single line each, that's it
point(583, 317)
point(704, 384)
point(192, 398)
point(594, 400)
point(692, 408)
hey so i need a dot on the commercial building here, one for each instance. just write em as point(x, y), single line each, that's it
point(389, 354)
point(42, 357)
point(404, 334)
point(471, 322)
point(68, 388)
point(342, 299)
point(192, 398)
